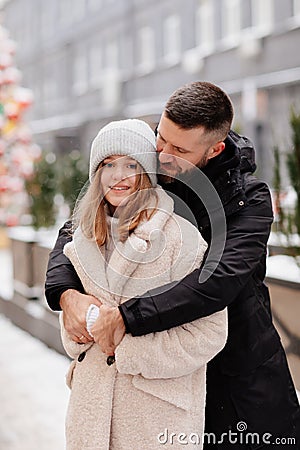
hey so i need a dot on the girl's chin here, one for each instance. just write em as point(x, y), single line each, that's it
point(117, 202)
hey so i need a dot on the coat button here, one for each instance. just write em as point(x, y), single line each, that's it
point(81, 357)
point(241, 203)
point(110, 360)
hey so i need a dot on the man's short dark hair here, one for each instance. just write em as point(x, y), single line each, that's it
point(201, 104)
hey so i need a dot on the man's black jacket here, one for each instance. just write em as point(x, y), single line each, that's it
point(249, 379)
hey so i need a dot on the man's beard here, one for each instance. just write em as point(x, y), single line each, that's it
point(165, 179)
point(168, 176)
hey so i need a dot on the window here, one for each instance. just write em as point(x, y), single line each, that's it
point(80, 74)
point(49, 88)
point(146, 52)
point(112, 54)
point(93, 5)
point(231, 20)
point(65, 12)
point(262, 14)
point(296, 7)
point(205, 25)
point(46, 20)
point(126, 52)
point(111, 88)
point(78, 9)
point(171, 39)
point(96, 65)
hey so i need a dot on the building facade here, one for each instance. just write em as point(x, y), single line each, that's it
point(90, 61)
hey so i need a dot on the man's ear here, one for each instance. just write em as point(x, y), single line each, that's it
point(216, 149)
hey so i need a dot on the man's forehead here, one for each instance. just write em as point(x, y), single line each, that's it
point(180, 137)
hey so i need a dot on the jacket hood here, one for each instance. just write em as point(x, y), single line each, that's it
point(239, 151)
point(246, 151)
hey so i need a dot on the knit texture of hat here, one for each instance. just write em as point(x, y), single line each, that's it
point(129, 137)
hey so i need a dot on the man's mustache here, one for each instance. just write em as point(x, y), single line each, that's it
point(170, 166)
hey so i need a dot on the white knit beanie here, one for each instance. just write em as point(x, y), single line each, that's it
point(129, 137)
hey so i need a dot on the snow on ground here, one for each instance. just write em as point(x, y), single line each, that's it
point(33, 394)
point(283, 240)
point(283, 267)
point(6, 274)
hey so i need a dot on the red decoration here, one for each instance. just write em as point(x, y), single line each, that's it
point(17, 152)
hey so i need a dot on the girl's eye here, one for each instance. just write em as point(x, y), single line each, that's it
point(132, 166)
point(109, 164)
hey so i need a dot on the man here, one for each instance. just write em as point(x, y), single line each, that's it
point(249, 387)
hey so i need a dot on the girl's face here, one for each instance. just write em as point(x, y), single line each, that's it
point(118, 179)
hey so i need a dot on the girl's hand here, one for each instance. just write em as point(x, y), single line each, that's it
point(109, 329)
point(75, 306)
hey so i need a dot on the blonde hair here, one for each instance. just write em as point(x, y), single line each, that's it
point(91, 210)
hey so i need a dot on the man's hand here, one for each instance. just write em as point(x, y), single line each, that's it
point(74, 306)
point(109, 329)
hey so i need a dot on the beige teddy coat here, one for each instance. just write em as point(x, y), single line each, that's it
point(157, 385)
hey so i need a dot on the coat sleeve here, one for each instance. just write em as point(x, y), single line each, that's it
point(173, 353)
point(244, 251)
point(73, 349)
point(61, 274)
point(179, 351)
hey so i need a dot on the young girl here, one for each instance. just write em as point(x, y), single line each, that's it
point(128, 240)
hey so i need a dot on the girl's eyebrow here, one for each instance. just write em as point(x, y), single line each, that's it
point(125, 159)
point(128, 158)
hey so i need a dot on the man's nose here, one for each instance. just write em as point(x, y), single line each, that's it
point(164, 147)
point(165, 156)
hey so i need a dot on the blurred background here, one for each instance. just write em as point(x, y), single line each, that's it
point(67, 67)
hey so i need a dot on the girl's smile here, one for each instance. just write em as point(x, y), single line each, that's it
point(118, 179)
